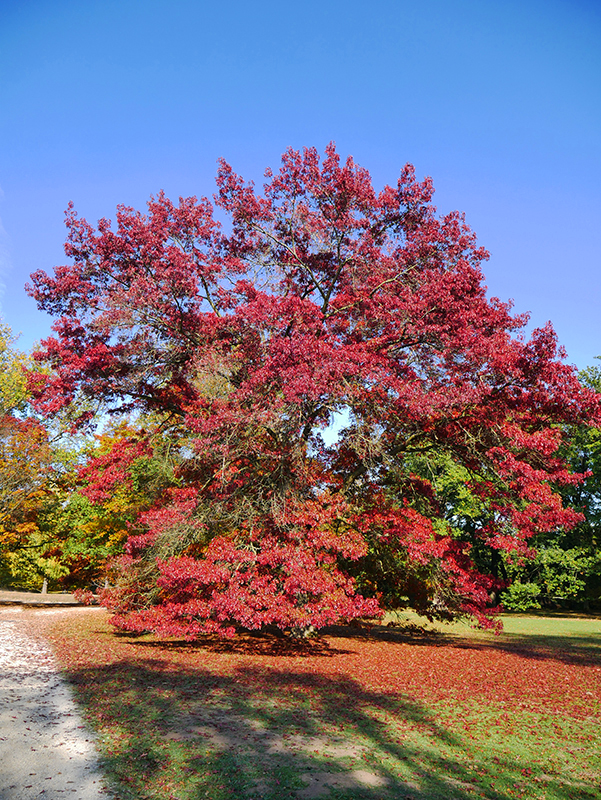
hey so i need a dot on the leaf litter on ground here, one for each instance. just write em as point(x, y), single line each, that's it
point(358, 713)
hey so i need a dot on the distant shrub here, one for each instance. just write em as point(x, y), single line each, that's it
point(521, 596)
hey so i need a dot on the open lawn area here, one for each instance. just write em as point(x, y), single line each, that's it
point(389, 712)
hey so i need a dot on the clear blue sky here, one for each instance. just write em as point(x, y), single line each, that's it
point(108, 101)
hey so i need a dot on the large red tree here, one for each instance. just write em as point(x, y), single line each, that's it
point(240, 343)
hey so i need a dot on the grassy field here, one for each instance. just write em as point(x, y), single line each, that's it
point(390, 712)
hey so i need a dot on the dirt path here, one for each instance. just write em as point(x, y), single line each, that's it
point(45, 749)
point(9, 597)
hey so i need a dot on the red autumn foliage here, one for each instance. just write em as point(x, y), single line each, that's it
point(323, 297)
point(109, 469)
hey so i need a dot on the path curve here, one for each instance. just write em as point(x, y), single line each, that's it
point(46, 750)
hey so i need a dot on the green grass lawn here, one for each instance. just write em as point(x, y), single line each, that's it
point(393, 712)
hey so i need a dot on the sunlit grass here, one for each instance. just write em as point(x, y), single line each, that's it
point(552, 623)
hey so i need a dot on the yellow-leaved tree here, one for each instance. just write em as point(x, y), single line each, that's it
point(25, 459)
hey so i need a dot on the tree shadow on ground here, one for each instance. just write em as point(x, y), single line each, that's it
point(574, 649)
point(187, 733)
point(581, 650)
point(252, 643)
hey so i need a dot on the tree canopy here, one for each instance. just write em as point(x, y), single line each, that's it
point(235, 344)
point(23, 441)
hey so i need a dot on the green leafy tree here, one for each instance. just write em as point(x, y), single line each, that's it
point(565, 565)
point(13, 380)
